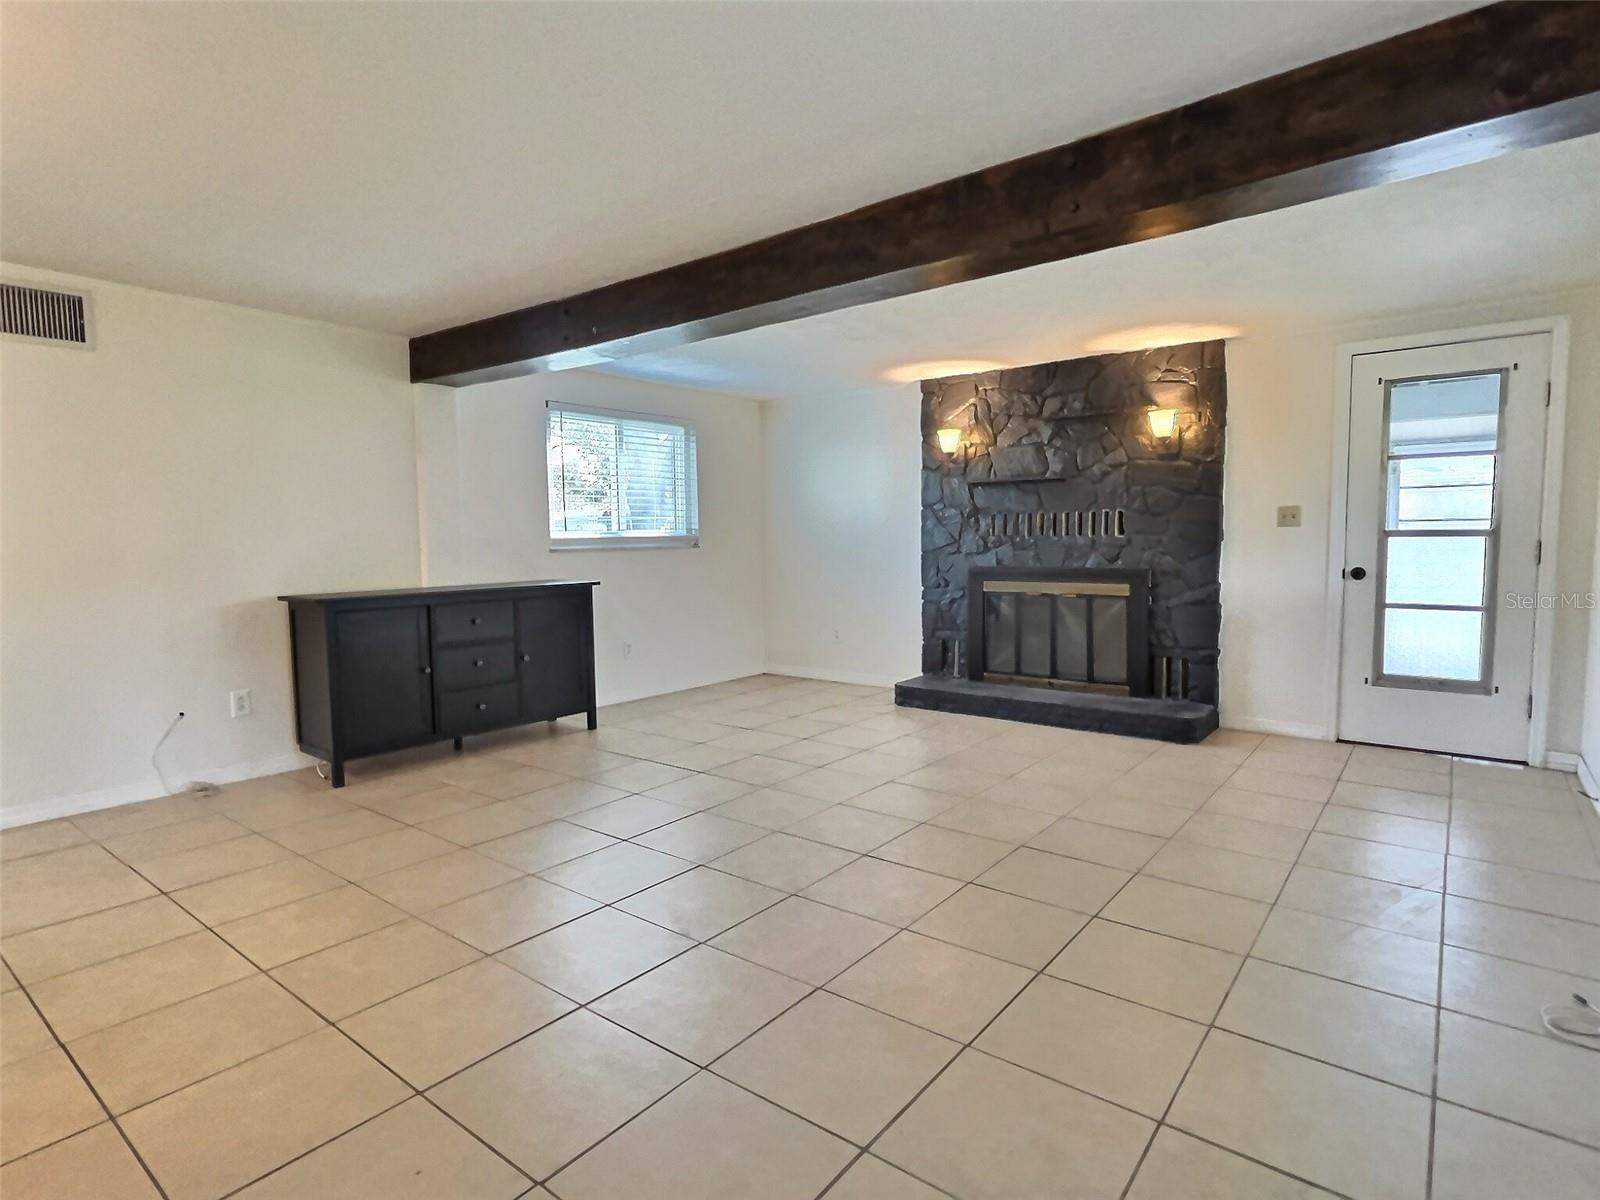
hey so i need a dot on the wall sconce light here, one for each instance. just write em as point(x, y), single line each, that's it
point(949, 440)
point(1163, 423)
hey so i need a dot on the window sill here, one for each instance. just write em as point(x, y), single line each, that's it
point(625, 543)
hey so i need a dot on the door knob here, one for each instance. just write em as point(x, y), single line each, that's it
point(483, 708)
point(1358, 573)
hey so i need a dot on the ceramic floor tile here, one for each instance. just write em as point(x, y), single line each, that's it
point(697, 792)
point(700, 903)
point(701, 837)
point(485, 823)
point(565, 799)
point(1374, 958)
point(1331, 1127)
point(502, 916)
point(989, 819)
point(701, 1003)
point(1560, 856)
point(147, 814)
point(120, 988)
point(1137, 816)
point(1192, 914)
point(411, 1152)
point(170, 839)
point(1516, 887)
point(761, 770)
point(1122, 1052)
point(848, 1068)
point(1149, 968)
point(1262, 838)
point(1054, 879)
point(270, 939)
point(1394, 777)
point(1219, 870)
point(1551, 942)
point(384, 852)
point(884, 891)
point(782, 861)
point(618, 870)
point(805, 940)
point(1051, 799)
point(1392, 800)
point(629, 816)
point(1179, 1167)
point(20, 842)
point(1352, 1027)
point(708, 1140)
point(1497, 989)
point(873, 1179)
point(1101, 844)
point(823, 784)
point(1413, 911)
point(162, 1051)
point(1290, 784)
point(353, 975)
point(434, 1030)
point(22, 1032)
point(96, 1162)
point(544, 1100)
point(904, 800)
point(587, 957)
point(221, 1133)
point(1002, 926)
point(987, 1130)
point(1479, 1158)
point(771, 809)
point(1374, 860)
point(216, 861)
point(414, 808)
point(850, 828)
point(943, 988)
point(235, 896)
point(544, 846)
point(44, 889)
point(84, 941)
point(1262, 806)
point(324, 833)
point(1410, 832)
point(1523, 1077)
point(43, 1101)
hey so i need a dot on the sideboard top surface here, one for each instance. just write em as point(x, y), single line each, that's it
point(425, 594)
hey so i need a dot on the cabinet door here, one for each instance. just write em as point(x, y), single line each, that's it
point(385, 692)
point(553, 656)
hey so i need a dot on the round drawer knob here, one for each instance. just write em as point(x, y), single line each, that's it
point(427, 670)
point(483, 708)
point(527, 658)
point(477, 620)
point(477, 662)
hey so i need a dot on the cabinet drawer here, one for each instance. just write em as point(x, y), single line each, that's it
point(475, 666)
point(472, 709)
point(455, 623)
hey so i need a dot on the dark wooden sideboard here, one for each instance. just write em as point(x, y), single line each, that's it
point(386, 670)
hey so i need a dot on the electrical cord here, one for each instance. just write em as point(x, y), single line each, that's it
point(1577, 1023)
point(155, 756)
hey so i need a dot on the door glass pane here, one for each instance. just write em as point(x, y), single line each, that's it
point(1435, 570)
point(1433, 643)
point(1442, 416)
point(1441, 492)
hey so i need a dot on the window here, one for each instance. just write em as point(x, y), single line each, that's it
point(620, 479)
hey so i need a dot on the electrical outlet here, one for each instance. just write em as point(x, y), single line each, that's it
point(1288, 516)
point(239, 703)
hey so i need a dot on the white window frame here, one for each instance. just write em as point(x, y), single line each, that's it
point(628, 541)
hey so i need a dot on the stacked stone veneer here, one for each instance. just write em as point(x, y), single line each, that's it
point(1073, 436)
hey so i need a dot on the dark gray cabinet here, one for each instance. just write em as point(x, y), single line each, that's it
point(381, 671)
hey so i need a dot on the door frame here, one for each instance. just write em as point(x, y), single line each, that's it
point(1555, 438)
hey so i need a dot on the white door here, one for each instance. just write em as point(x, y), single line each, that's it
point(1446, 472)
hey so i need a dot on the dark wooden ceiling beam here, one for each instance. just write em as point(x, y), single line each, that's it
point(1481, 84)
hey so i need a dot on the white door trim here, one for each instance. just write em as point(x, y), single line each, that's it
point(1549, 511)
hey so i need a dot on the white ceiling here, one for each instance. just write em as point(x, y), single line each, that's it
point(409, 166)
point(1524, 223)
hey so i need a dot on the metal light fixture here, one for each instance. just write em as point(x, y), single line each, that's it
point(1163, 423)
point(949, 440)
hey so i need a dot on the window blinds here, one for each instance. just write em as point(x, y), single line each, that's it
point(619, 475)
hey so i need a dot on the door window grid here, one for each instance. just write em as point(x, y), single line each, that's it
point(1438, 544)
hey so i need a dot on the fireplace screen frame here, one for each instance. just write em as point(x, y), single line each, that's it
point(1060, 581)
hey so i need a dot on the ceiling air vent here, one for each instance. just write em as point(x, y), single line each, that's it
point(49, 316)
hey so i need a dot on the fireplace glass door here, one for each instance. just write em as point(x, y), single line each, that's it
point(1056, 634)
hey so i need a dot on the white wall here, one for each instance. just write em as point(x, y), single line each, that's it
point(1589, 739)
point(844, 592)
point(1281, 412)
point(843, 522)
point(691, 616)
point(156, 493)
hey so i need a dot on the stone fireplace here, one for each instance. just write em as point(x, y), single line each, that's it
point(1062, 478)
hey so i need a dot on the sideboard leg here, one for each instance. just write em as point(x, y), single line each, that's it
point(336, 772)
point(457, 744)
point(594, 720)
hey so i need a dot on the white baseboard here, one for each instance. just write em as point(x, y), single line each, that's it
point(132, 793)
point(1588, 780)
point(862, 678)
point(1560, 760)
point(1298, 729)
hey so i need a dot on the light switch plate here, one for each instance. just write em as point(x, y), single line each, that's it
point(1288, 516)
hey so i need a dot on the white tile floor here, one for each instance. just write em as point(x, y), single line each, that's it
point(777, 938)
